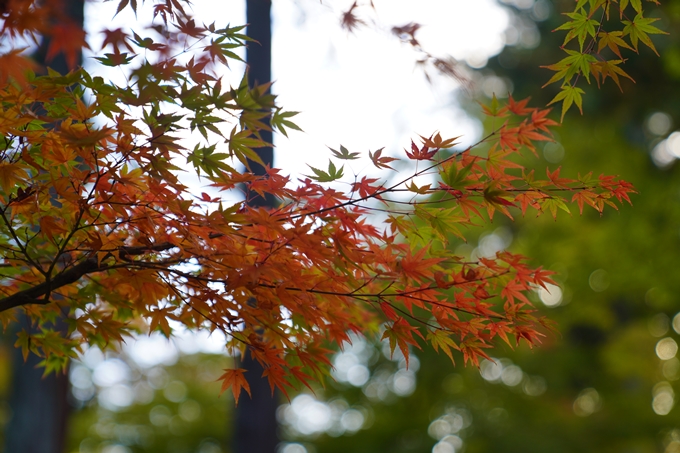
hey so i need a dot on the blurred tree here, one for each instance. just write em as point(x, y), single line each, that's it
point(255, 427)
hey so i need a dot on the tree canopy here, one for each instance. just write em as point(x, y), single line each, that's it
point(98, 224)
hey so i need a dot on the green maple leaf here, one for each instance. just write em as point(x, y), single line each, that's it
point(573, 64)
point(280, 121)
point(640, 29)
point(569, 95)
point(613, 41)
point(579, 27)
point(332, 174)
point(344, 154)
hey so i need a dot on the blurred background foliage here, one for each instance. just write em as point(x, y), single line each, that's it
point(606, 383)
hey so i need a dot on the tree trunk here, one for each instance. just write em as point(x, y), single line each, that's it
point(255, 429)
point(40, 405)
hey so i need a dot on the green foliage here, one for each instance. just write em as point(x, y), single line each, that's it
point(589, 58)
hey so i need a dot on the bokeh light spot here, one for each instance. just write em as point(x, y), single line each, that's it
point(551, 295)
point(659, 123)
point(553, 152)
point(671, 369)
point(666, 348)
point(676, 323)
point(534, 386)
point(599, 280)
point(658, 325)
point(587, 402)
point(292, 448)
point(512, 375)
point(663, 398)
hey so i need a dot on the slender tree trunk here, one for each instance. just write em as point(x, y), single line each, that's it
point(255, 427)
point(39, 404)
point(39, 407)
point(259, 61)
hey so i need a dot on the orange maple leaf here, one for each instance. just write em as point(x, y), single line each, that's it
point(234, 379)
point(68, 39)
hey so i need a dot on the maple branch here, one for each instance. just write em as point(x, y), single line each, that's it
point(124, 252)
point(32, 295)
point(21, 246)
point(91, 265)
point(393, 187)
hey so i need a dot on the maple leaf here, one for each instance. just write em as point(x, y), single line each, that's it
point(350, 21)
point(437, 141)
point(416, 266)
point(400, 333)
point(422, 153)
point(159, 320)
point(322, 176)
point(276, 376)
point(585, 197)
point(610, 68)
point(68, 39)
point(11, 175)
point(493, 109)
point(280, 120)
point(15, 66)
point(344, 154)
point(365, 188)
point(441, 339)
point(190, 28)
point(235, 380)
point(109, 328)
point(541, 277)
point(639, 29)
point(613, 41)
point(51, 226)
point(381, 162)
point(554, 177)
point(530, 198)
point(117, 38)
point(501, 329)
point(514, 290)
point(580, 26)
point(389, 311)
point(519, 107)
point(569, 95)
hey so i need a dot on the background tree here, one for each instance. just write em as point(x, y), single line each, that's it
point(255, 428)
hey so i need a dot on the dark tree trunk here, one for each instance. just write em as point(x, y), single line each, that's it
point(40, 405)
point(259, 61)
point(255, 430)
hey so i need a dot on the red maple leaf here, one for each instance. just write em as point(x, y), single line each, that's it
point(68, 39)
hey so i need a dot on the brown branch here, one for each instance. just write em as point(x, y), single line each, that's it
point(144, 249)
point(32, 295)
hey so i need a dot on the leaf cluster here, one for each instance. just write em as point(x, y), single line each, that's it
point(601, 40)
